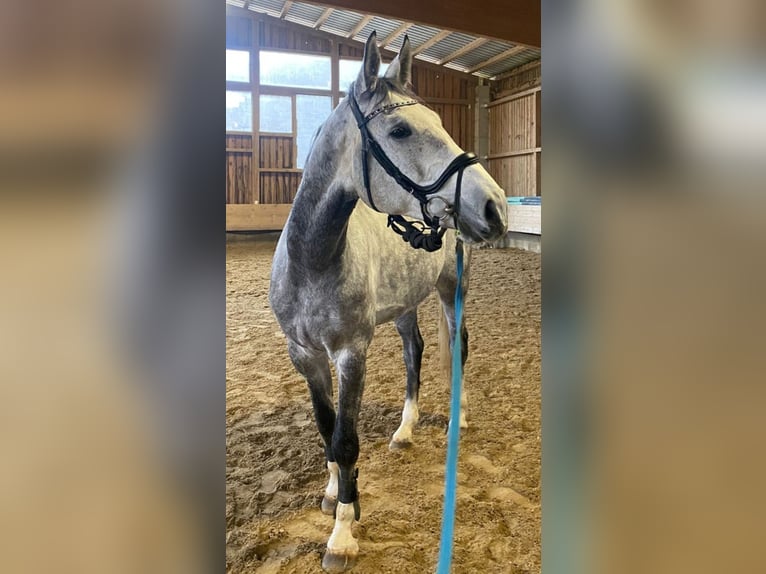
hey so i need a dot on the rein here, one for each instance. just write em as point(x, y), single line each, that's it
point(411, 232)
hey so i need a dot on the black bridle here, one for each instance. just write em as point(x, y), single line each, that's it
point(411, 232)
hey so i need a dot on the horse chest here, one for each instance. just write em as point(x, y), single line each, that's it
point(319, 313)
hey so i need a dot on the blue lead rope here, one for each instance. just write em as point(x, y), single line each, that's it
point(453, 433)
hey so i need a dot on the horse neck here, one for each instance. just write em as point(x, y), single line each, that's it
point(316, 233)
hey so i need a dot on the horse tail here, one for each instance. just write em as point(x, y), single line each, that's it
point(445, 356)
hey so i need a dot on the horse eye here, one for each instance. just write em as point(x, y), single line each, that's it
point(400, 132)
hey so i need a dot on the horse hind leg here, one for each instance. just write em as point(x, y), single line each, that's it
point(446, 290)
point(315, 368)
point(412, 343)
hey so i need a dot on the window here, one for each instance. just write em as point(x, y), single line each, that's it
point(276, 114)
point(239, 111)
point(348, 70)
point(311, 112)
point(237, 66)
point(295, 70)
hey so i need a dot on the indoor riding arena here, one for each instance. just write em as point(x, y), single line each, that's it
point(288, 65)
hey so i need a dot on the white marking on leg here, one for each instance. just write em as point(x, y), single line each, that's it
point(332, 485)
point(410, 417)
point(341, 540)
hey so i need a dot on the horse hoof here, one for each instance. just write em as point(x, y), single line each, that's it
point(396, 445)
point(328, 505)
point(338, 562)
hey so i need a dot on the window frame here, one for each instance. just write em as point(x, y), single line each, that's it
point(257, 90)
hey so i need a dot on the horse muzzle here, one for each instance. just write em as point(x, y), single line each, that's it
point(488, 223)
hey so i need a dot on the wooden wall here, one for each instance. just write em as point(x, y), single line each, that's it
point(519, 79)
point(273, 178)
point(515, 145)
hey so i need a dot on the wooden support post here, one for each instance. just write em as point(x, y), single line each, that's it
point(294, 99)
point(481, 125)
point(255, 81)
point(335, 72)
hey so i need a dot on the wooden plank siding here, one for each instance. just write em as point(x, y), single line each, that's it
point(275, 35)
point(517, 80)
point(515, 146)
point(278, 187)
point(239, 168)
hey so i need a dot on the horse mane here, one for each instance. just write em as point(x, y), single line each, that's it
point(314, 139)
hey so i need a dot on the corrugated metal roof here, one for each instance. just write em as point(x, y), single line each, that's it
point(270, 7)
point(382, 26)
point(305, 14)
point(512, 62)
point(342, 22)
point(480, 54)
point(418, 35)
point(448, 45)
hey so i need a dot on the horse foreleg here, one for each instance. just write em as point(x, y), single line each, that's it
point(412, 343)
point(316, 370)
point(342, 547)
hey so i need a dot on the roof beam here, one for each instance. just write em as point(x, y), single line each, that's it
point(464, 50)
point(518, 70)
point(517, 22)
point(247, 4)
point(362, 23)
point(395, 34)
point(285, 9)
point(428, 43)
point(323, 18)
point(501, 56)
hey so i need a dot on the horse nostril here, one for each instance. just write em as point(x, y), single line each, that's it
point(492, 215)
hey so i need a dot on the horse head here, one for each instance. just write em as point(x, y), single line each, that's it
point(408, 165)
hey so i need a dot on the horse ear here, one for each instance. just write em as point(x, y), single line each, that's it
point(368, 75)
point(405, 62)
point(400, 69)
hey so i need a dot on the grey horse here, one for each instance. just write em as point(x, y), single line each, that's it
point(338, 271)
